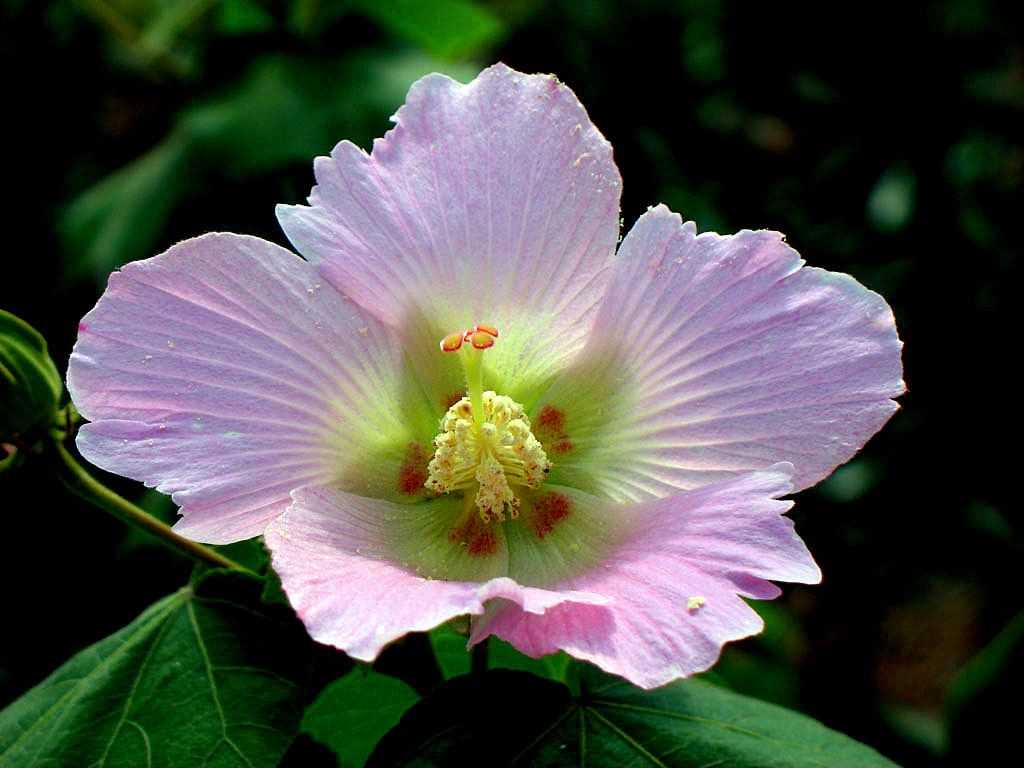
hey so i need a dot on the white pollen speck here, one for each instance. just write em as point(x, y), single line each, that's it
point(170, 344)
point(149, 443)
point(162, 426)
point(695, 603)
point(363, 330)
point(147, 358)
point(580, 158)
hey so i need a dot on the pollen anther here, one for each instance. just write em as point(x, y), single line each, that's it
point(452, 342)
point(481, 340)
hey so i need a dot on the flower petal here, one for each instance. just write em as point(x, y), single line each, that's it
point(358, 570)
point(714, 355)
point(675, 585)
point(492, 202)
point(227, 373)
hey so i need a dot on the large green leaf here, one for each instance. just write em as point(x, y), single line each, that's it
point(516, 719)
point(208, 676)
point(351, 714)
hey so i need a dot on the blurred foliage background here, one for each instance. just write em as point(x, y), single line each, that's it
point(885, 139)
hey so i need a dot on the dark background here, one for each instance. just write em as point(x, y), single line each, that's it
point(884, 138)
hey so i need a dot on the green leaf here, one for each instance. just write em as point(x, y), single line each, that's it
point(454, 660)
point(501, 655)
point(243, 17)
point(450, 651)
point(120, 218)
point(982, 720)
point(285, 110)
point(30, 386)
point(517, 719)
point(351, 714)
point(449, 29)
point(207, 676)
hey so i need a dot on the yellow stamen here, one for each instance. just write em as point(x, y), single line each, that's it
point(485, 445)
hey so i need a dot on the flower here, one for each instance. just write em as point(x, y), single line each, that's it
point(592, 459)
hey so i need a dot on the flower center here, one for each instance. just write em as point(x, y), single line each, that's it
point(485, 445)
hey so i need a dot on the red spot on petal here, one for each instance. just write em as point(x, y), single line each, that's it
point(548, 511)
point(413, 473)
point(81, 326)
point(476, 536)
point(551, 419)
point(482, 542)
point(549, 429)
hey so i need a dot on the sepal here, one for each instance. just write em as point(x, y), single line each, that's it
point(30, 386)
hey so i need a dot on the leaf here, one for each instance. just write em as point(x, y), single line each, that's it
point(30, 386)
point(449, 29)
point(517, 719)
point(207, 676)
point(981, 718)
point(502, 655)
point(243, 17)
point(352, 713)
point(454, 660)
point(450, 650)
point(284, 110)
point(120, 218)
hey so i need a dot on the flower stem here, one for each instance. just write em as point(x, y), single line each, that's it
point(478, 656)
point(86, 486)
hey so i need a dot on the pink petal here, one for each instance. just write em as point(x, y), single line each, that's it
point(227, 373)
point(351, 567)
point(675, 585)
point(493, 202)
point(730, 356)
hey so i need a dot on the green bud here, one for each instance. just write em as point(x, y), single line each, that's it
point(30, 386)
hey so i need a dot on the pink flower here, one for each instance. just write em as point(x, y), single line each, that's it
point(609, 484)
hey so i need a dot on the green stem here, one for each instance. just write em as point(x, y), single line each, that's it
point(92, 490)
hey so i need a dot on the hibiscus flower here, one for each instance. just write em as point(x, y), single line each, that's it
point(465, 400)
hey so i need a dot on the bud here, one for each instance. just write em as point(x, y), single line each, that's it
point(30, 386)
